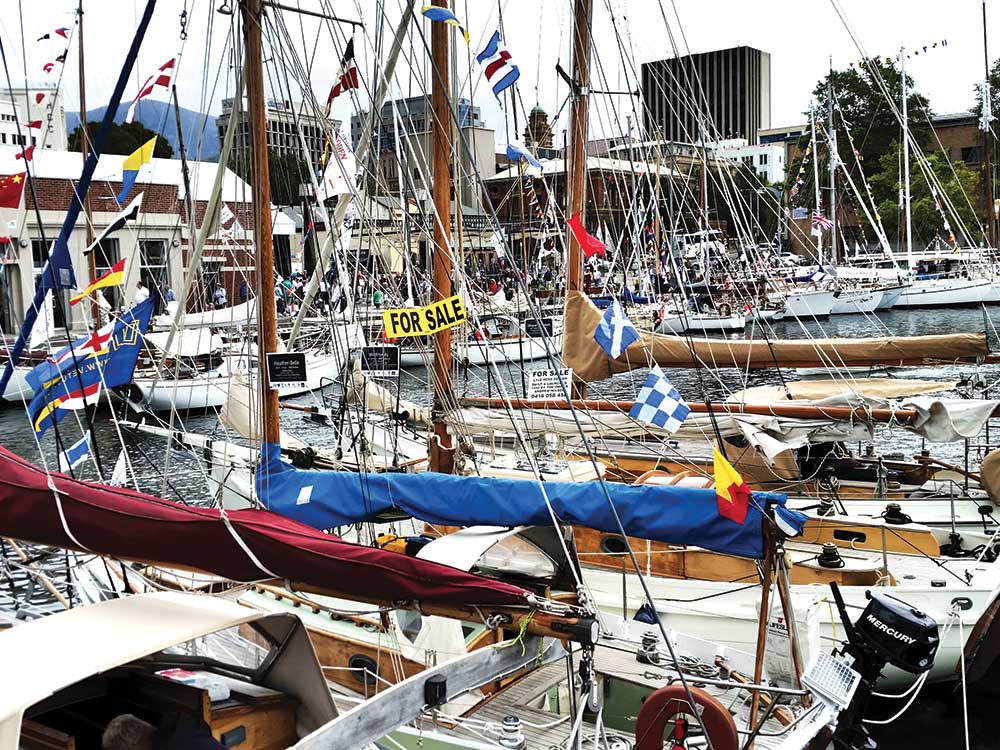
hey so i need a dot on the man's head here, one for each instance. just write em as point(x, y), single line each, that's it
point(128, 732)
point(139, 285)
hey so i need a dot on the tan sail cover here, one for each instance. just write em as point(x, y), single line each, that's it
point(812, 390)
point(590, 362)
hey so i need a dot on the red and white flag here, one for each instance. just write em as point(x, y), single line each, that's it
point(162, 77)
point(348, 78)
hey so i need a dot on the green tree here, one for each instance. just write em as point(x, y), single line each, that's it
point(123, 139)
point(927, 220)
point(977, 108)
point(287, 172)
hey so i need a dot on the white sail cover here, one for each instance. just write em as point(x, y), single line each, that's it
point(237, 315)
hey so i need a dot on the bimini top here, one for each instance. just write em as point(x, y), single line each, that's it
point(42, 657)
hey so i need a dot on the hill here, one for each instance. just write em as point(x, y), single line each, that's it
point(159, 117)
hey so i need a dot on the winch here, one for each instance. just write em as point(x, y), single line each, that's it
point(889, 631)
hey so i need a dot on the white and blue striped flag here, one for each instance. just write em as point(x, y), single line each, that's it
point(659, 403)
point(615, 331)
point(76, 454)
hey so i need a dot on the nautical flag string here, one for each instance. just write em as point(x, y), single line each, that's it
point(659, 403)
point(129, 213)
point(162, 77)
point(131, 165)
point(76, 454)
point(615, 332)
point(499, 71)
point(443, 15)
point(348, 77)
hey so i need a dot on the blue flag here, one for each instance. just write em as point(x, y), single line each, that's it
point(76, 454)
point(615, 331)
point(75, 382)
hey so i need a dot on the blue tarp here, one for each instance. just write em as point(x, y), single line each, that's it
point(676, 515)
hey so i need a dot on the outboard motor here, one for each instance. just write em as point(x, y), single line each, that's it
point(889, 631)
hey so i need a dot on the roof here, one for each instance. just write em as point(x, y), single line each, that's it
point(52, 164)
point(950, 118)
point(594, 163)
point(87, 640)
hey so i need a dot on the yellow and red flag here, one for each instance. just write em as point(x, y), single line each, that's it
point(114, 277)
point(731, 492)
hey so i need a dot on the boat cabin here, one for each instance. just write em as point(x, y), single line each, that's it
point(171, 666)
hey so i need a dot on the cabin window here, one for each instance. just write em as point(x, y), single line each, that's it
point(614, 545)
point(847, 535)
point(39, 256)
point(155, 272)
point(363, 669)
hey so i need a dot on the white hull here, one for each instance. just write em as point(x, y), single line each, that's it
point(809, 304)
point(853, 301)
point(18, 389)
point(948, 293)
point(766, 316)
point(701, 324)
point(486, 352)
point(890, 297)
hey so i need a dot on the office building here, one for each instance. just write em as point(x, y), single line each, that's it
point(282, 136)
point(20, 106)
point(709, 96)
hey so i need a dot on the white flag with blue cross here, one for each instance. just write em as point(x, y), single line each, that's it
point(615, 331)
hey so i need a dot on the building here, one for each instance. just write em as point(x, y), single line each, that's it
point(401, 156)
point(729, 87)
point(958, 134)
point(159, 242)
point(790, 137)
point(20, 106)
point(538, 131)
point(766, 159)
point(282, 134)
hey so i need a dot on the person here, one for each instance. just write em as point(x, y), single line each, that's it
point(219, 297)
point(141, 293)
point(171, 297)
point(128, 732)
point(244, 291)
point(176, 731)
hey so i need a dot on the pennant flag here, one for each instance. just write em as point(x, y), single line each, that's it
point(129, 213)
point(588, 242)
point(76, 454)
point(26, 154)
point(78, 381)
point(517, 151)
point(130, 167)
point(161, 78)
point(43, 37)
point(11, 189)
point(39, 97)
point(499, 71)
point(659, 403)
point(615, 332)
point(62, 57)
point(33, 125)
point(63, 31)
point(443, 15)
point(498, 244)
point(119, 475)
point(114, 277)
point(338, 177)
point(348, 78)
point(791, 522)
point(48, 67)
point(731, 492)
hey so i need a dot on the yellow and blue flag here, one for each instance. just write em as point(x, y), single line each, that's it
point(74, 377)
point(436, 13)
point(131, 165)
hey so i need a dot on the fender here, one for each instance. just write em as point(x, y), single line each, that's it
point(667, 702)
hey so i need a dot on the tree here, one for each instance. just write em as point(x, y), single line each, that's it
point(287, 172)
point(123, 139)
point(866, 114)
point(977, 108)
point(927, 220)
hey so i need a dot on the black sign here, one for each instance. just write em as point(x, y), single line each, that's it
point(286, 370)
point(380, 361)
point(538, 327)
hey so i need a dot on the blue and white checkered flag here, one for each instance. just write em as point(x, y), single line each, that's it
point(659, 403)
point(615, 331)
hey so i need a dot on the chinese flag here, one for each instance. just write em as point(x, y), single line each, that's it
point(11, 188)
point(588, 242)
point(731, 492)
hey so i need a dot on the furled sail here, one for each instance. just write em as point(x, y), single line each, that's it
point(677, 515)
point(590, 362)
point(242, 545)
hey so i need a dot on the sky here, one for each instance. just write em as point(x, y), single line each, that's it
point(801, 37)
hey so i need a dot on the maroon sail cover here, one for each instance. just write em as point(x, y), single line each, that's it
point(134, 526)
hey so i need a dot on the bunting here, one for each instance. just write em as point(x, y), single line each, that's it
point(161, 78)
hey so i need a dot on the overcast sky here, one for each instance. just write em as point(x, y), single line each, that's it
point(800, 36)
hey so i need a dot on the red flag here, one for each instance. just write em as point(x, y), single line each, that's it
point(48, 67)
point(11, 188)
point(63, 32)
point(33, 125)
point(348, 78)
point(588, 242)
point(162, 77)
point(27, 154)
point(38, 97)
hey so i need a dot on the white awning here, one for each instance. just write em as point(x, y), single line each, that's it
point(188, 342)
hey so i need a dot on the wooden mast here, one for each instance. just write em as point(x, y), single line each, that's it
point(95, 308)
point(256, 114)
point(442, 458)
point(578, 138)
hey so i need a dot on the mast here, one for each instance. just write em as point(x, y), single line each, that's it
point(441, 457)
point(832, 135)
point(984, 125)
point(578, 137)
point(818, 232)
point(256, 114)
point(95, 308)
point(906, 160)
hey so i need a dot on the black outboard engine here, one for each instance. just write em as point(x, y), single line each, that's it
point(889, 631)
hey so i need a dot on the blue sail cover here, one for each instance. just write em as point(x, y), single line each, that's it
point(676, 515)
